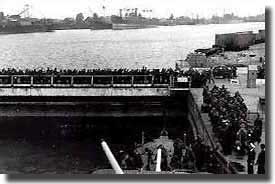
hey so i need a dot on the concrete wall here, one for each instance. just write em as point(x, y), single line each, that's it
point(260, 36)
point(235, 41)
point(84, 92)
point(196, 121)
point(244, 40)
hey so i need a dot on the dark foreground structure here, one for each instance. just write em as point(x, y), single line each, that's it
point(126, 110)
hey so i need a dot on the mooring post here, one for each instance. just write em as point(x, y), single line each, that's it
point(111, 158)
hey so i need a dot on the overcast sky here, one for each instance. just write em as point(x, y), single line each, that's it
point(161, 8)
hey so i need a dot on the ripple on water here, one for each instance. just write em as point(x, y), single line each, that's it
point(153, 48)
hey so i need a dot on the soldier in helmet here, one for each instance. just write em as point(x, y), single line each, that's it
point(211, 76)
point(242, 138)
point(251, 158)
point(258, 125)
point(261, 160)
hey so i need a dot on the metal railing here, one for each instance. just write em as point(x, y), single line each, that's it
point(70, 81)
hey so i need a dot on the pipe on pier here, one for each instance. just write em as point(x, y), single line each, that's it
point(111, 158)
point(158, 169)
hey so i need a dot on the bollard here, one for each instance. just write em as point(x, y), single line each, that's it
point(111, 158)
point(158, 160)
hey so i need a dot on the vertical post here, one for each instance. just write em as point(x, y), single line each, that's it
point(153, 78)
point(171, 82)
point(142, 137)
point(51, 80)
point(190, 82)
point(92, 81)
point(132, 80)
point(184, 138)
point(111, 158)
point(11, 81)
point(31, 80)
point(112, 81)
point(72, 80)
point(158, 169)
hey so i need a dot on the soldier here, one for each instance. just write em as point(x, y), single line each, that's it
point(137, 159)
point(223, 89)
point(189, 161)
point(205, 93)
point(251, 159)
point(211, 76)
point(198, 148)
point(176, 159)
point(261, 160)
point(258, 125)
point(164, 134)
point(228, 139)
point(148, 159)
point(242, 138)
point(124, 158)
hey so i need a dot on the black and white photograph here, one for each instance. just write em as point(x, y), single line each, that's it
point(133, 87)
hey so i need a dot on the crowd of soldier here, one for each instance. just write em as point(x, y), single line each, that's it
point(42, 76)
point(228, 115)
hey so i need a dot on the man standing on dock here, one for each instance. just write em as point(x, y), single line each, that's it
point(211, 76)
point(258, 126)
point(251, 159)
point(261, 160)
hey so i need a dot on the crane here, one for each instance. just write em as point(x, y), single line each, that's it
point(25, 11)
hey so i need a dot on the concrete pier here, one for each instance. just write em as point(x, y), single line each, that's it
point(107, 91)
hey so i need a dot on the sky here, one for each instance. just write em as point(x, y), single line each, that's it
point(160, 8)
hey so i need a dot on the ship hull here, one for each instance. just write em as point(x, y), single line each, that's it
point(25, 29)
point(101, 26)
point(131, 26)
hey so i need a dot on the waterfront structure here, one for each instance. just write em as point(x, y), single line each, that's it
point(240, 40)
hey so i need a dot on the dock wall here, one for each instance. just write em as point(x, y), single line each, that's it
point(84, 92)
point(240, 40)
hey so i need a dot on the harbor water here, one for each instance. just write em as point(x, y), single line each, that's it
point(154, 48)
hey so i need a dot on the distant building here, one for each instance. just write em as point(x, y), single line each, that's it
point(2, 16)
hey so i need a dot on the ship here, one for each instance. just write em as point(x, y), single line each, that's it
point(100, 25)
point(14, 24)
point(24, 29)
point(131, 20)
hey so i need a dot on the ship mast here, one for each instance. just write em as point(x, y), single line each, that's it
point(26, 11)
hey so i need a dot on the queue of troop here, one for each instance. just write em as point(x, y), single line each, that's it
point(229, 117)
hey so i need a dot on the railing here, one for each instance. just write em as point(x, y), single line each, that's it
point(90, 81)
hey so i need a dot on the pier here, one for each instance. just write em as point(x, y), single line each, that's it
point(111, 104)
point(90, 85)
